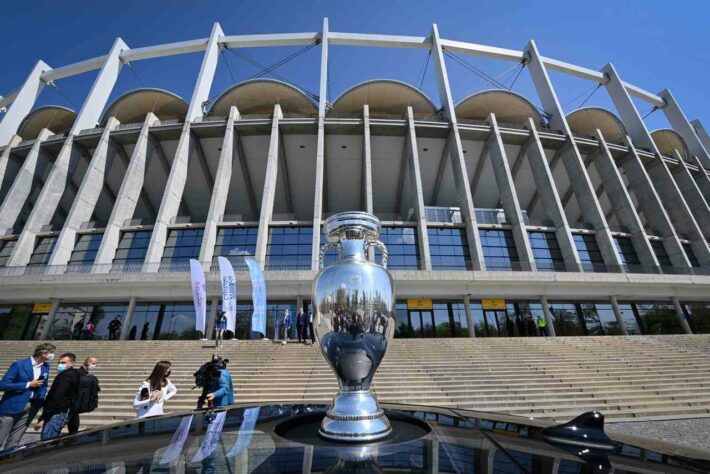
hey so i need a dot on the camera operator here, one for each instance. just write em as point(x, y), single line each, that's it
point(216, 383)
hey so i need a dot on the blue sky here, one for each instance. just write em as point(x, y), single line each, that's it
point(653, 44)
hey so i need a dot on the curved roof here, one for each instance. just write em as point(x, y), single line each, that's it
point(385, 96)
point(586, 120)
point(133, 106)
point(258, 96)
point(509, 107)
point(668, 140)
point(56, 118)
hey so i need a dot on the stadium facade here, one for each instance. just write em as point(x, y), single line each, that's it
point(496, 212)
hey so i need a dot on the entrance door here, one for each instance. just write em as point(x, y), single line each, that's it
point(422, 323)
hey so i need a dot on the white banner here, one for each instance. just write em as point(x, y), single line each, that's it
point(246, 432)
point(212, 437)
point(229, 292)
point(199, 294)
point(258, 297)
point(178, 441)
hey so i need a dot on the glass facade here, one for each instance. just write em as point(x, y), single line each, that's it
point(87, 245)
point(235, 243)
point(698, 316)
point(289, 248)
point(71, 321)
point(657, 318)
point(132, 249)
point(444, 319)
point(499, 250)
point(181, 246)
point(627, 253)
point(6, 248)
point(546, 250)
point(589, 254)
point(43, 250)
point(152, 321)
point(661, 255)
point(449, 249)
point(17, 322)
point(402, 248)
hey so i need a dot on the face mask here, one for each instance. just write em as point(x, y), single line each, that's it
point(90, 368)
point(61, 367)
point(50, 356)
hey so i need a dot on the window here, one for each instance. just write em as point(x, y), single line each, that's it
point(402, 248)
point(657, 318)
point(546, 251)
point(71, 321)
point(449, 249)
point(164, 321)
point(87, 245)
point(132, 249)
point(181, 246)
point(43, 250)
point(567, 319)
point(589, 254)
point(289, 248)
point(691, 255)
point(661, 254)
point(17, 322)
point(499, 250)
point(628, 315)
point(235, 243)
point(627, 253)
point(698, 315)
point(6, 248)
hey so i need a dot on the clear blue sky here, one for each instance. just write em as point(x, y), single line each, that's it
point(653, 44)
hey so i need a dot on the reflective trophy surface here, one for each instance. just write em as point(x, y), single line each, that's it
point(353, 309)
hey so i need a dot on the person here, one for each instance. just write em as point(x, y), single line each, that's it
point(286, 323)
point(144, 332)
point(154, 391)
point(530, 325)
point(60, 397)
point(542, 326)
point(78, 327)
point(220, 327)
point(509, 326)
point(302, 325)
point(114, 329)
point(88, 332)
point(310, 327)
point(25, 387)
point(220, 391)
point(132, 333)
point(520, 325)
point(87, 398)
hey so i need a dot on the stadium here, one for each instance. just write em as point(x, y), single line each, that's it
point(497, 213)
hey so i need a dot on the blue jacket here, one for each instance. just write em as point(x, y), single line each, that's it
point(223, 390)
point(14, 384)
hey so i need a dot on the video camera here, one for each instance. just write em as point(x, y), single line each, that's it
point(207, 375)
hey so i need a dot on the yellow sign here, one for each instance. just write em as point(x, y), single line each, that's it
point(492, 304)
point(419, 304)
point(42, 308)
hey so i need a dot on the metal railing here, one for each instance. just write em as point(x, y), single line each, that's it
point(129, 125)
point(169, 122)
point(212, 118)
point(89, 131)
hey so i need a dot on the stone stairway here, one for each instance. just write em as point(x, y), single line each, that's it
point(626, 378)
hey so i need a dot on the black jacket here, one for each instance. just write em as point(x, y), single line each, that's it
point(302, 319)
point(61, 394)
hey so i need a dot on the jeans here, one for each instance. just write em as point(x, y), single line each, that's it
point(12, 427)
point(53, 427)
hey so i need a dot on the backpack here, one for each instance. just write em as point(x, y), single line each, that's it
point(87, 395)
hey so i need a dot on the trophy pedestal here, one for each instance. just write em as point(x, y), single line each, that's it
point(355, 416)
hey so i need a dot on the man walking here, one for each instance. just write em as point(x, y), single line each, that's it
point(310, 327)
point(87, 398)
point(60, 397)
point(25, 386)
point(286, 324)
point(302, 325)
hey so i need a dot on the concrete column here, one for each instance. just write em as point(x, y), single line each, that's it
point(367, 159)
point(172, 196)
point(701, 133)
point(618, 316)
point(267, 198)
point(542, 175)
point(23, 102)
point(681, 316)
point(22, 185)
point(682, 125)
point(5, 157)
point(211, 318)
point(128, 195)
point(469, 316)
point(86, 198)
point(621, 202)
point(458, 163)
point(572, 159)
point(549, 317)
point(508, 194)
point(702, 178)
point(667, 190)
point(692, 194)
point(50, 318)
point(318, 194)
point(128, 320)
point(218, 202)
point(416, 182)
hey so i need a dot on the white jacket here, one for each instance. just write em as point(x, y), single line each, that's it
point(145, 408)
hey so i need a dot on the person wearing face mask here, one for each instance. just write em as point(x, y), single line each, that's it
point(87, 396)
point(25, 387)
point(155, 391)
point(60, 397)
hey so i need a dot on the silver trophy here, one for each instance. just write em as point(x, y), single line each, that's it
point(353, 303)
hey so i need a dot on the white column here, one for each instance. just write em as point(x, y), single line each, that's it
point(128, 320)
point(701, 133)
point(680, 124)
point(416, 181)
point(5, 157)
point(267, 197)
point(549, 317)
point(681, 316)
point(86, 198)
point(23, 102)
point(218, 202)
point(128, 195)
point(320, 148)
point(469, 316)
point(458, 162)
point(367, 159)
point(618, 316)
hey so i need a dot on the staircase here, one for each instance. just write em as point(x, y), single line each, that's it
point(626, 378)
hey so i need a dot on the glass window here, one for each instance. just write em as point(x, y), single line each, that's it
point(628, 315)
point(627, 253)
point(87, 245)
point(181, 246)
point(132, 249)
point(589, 254)
point(479, 321)
point(530, 312)
point(274, 317)
point(499, 250)
point(657, 318)
point(546, 250)
point(72, 321)
point(235, 243)
point(402, 248)
point(459, 319)
point(289, 248)
point(6, 248)
point(449, 249)
point(691, 255)
point(402, 328)
point(698, 315)
point(153, 321)
point(661, 255)
point(17, 322)
point(43, 250)
point(567, 319)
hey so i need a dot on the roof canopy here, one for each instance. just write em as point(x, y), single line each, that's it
point(507, 106)
point(668, 140)
point(258, 96)
point(585, 121)
point(384, 96)
point(133, 106)
point(56, 118)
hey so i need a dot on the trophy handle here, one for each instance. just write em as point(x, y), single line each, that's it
point(324, 250)
point(378, 244)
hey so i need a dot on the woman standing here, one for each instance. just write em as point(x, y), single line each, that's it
point(154, 391)
point(221, 326)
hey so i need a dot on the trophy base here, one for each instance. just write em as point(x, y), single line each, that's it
point(355, 417)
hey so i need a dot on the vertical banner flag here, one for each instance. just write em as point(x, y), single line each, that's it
point(258, 297)
point(229, 292)
point(199, 294)
point(178, 441)
point(212, 437)
point(245, 433)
